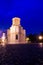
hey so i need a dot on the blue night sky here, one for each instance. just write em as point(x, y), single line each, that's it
point(30, 12)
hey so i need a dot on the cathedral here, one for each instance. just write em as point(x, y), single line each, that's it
point(15, 34)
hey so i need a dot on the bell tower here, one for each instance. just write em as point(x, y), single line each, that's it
point(16, 33)
point(16, 21)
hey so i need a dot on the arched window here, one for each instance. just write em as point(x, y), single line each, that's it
point(16, 37)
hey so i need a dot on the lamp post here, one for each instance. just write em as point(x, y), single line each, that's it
point(40, 37)
point(27, 40)
point(40, 40)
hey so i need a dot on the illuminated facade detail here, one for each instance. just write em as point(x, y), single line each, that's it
point(3, 39)
point(16, 34)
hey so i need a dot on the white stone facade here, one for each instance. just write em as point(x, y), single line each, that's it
point(16, 34)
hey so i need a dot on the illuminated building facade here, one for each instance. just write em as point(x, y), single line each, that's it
point(3, 39)
point(16, 34)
